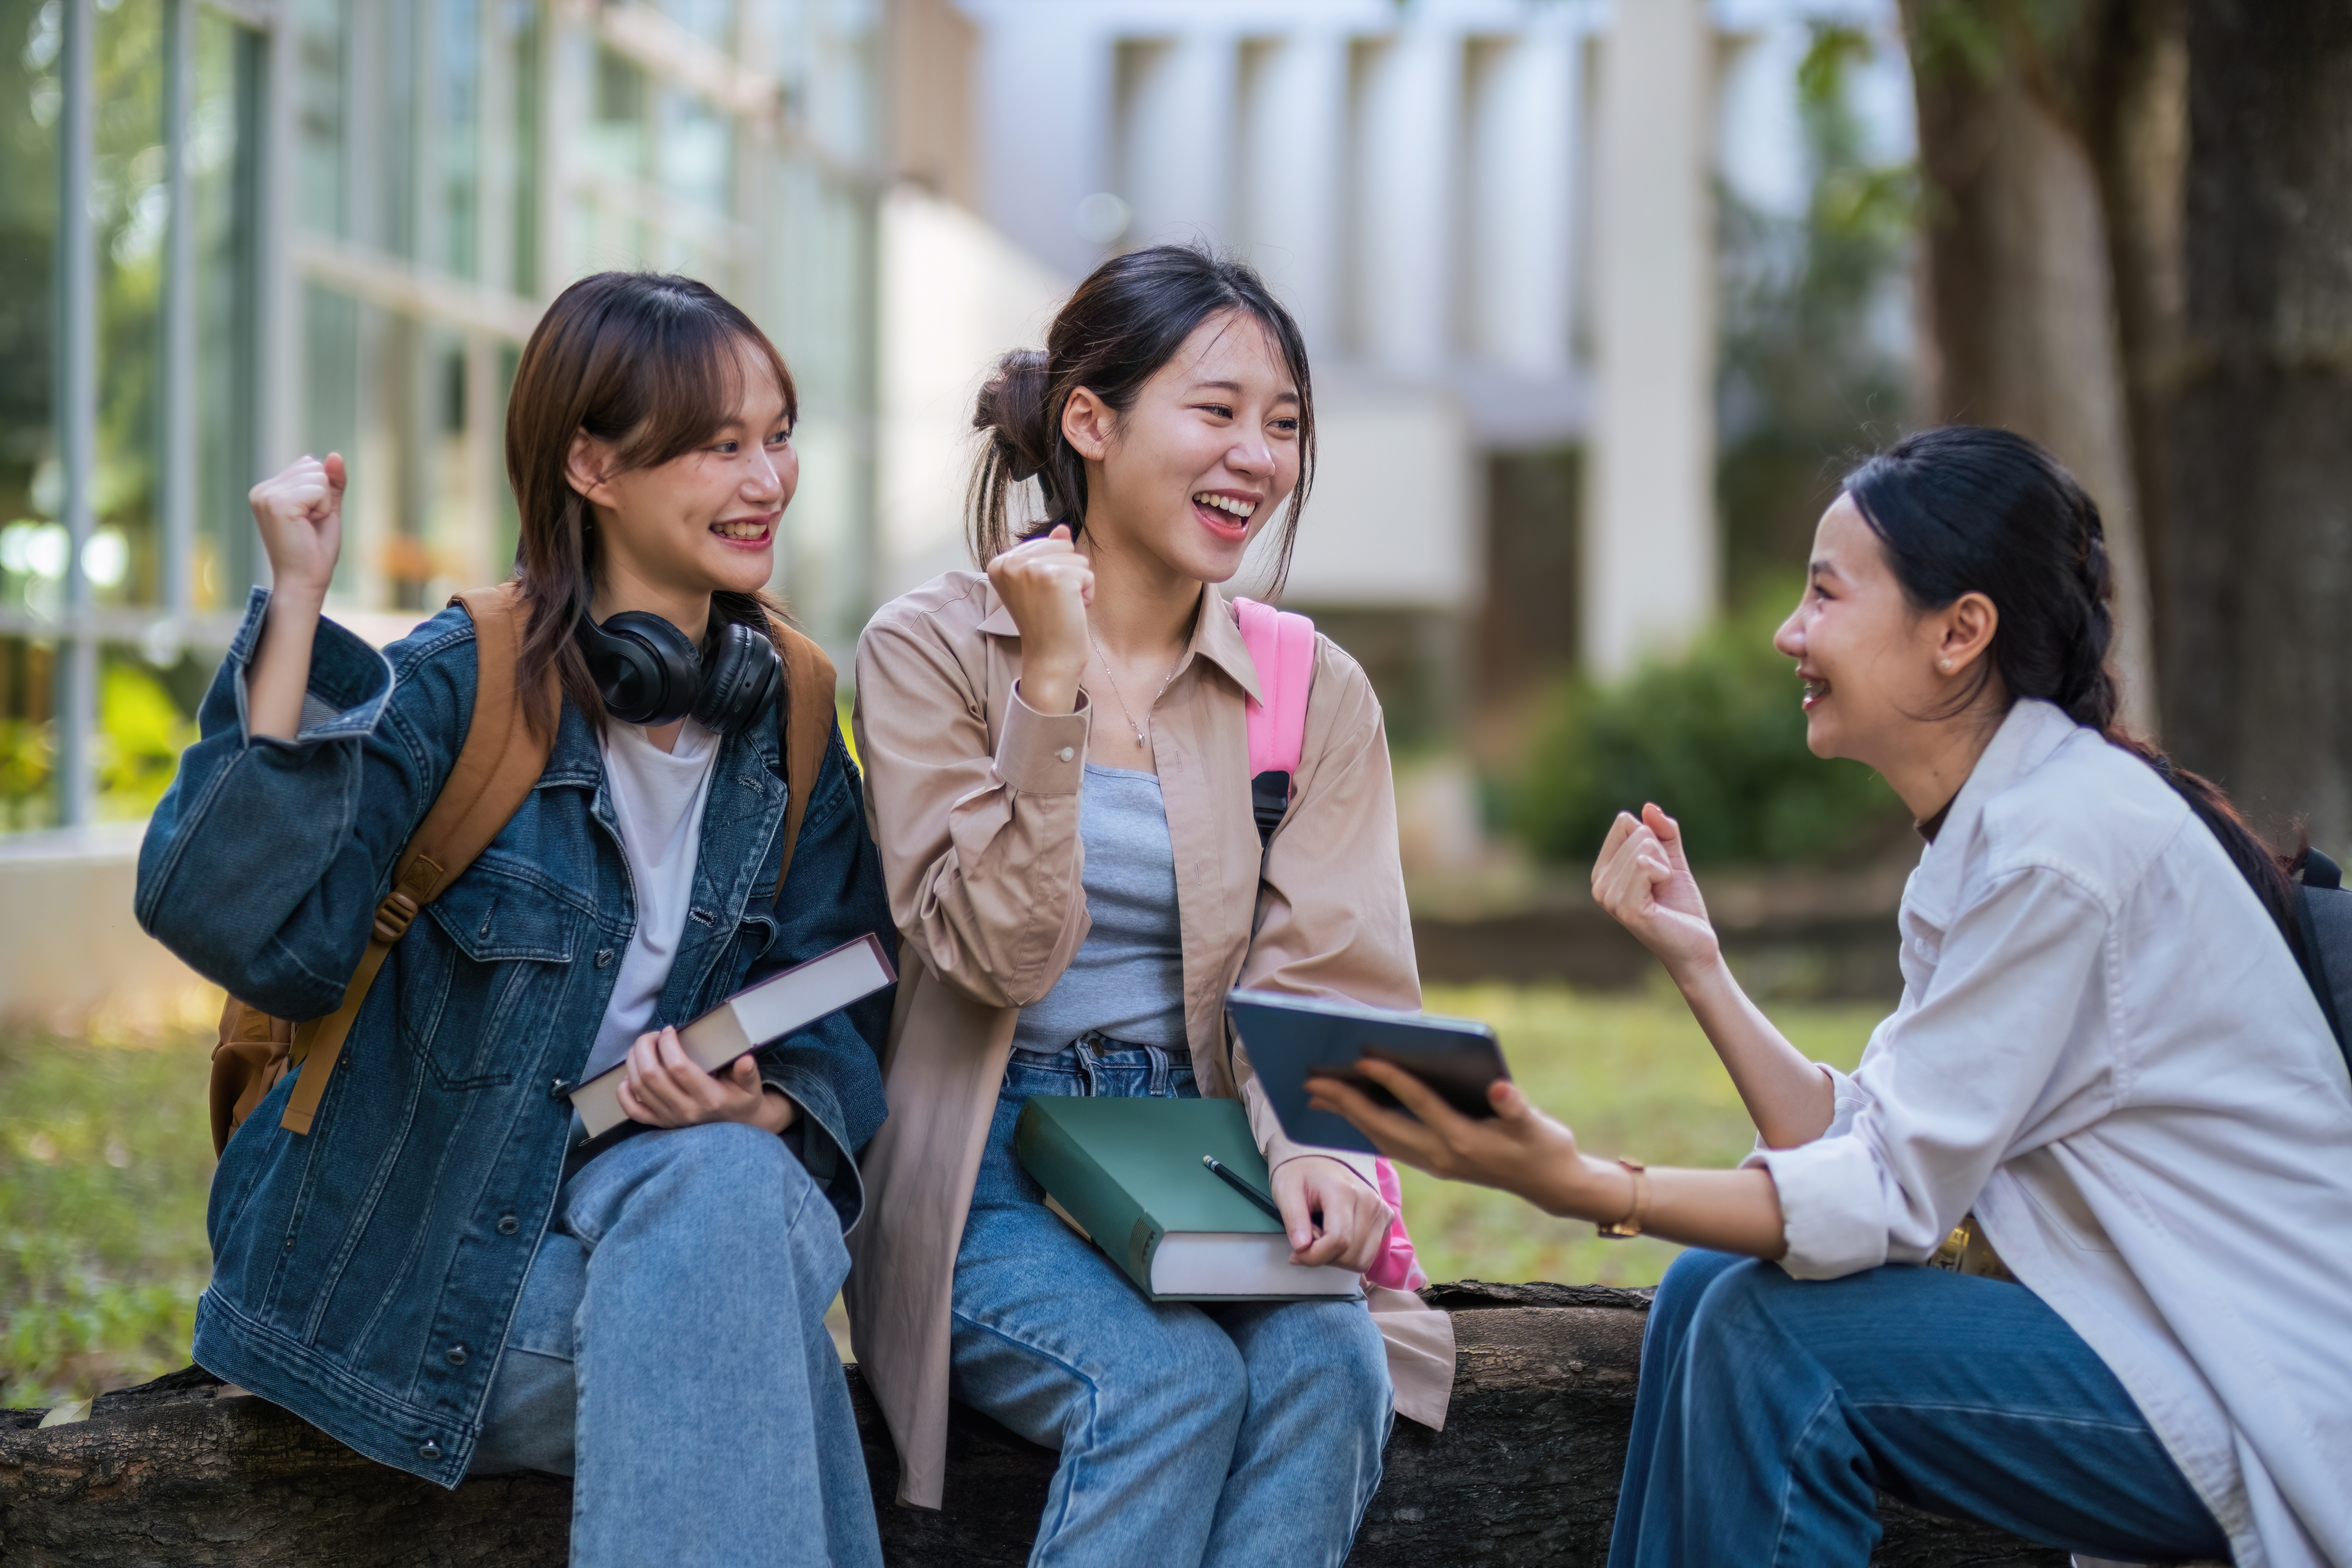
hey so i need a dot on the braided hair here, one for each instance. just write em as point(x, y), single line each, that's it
point(1961, 509)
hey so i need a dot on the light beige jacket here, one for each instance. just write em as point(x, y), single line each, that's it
point(973, 798)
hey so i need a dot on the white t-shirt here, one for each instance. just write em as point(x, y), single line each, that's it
point(657, 799)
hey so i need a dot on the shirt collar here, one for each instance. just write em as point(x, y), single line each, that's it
point(2029, 733)
point(1216, 637)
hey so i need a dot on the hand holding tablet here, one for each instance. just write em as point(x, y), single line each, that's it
point(1290, 1040)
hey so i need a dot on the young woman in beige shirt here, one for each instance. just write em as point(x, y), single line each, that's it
point(1076, 900)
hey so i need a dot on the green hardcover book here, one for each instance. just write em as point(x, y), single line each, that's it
point(1126, 1174)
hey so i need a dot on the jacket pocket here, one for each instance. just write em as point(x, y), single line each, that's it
point(487, 967)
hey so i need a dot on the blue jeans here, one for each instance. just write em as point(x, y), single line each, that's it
point(1771, 1410)
point(670, 1353)
point(1246, 1434)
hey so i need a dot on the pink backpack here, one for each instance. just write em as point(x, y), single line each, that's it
point(1282, 645)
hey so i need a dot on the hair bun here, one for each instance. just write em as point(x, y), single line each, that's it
point(1011, 408)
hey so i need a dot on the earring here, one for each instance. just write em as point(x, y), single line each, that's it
point(1945, 665)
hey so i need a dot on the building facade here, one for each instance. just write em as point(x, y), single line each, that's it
point(321, 225)
point(1491, 217)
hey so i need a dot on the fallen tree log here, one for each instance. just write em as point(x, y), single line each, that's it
point(177, 1472)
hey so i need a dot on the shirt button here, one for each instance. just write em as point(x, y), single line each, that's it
point(1064, 754)
point(455, 1356)
point(507, 1225)
point(604, 957)
point(428, 1449)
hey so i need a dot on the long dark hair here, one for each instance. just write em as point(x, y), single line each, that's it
point(1961, 509)
point(650, 362)
point(1124, 323)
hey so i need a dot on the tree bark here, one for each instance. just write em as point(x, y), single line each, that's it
point(2017, 288)
point(2252, 428)
point(1526, 1472)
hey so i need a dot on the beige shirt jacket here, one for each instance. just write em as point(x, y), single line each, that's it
point(973, 798)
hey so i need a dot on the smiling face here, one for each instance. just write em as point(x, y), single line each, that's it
point(1866, 656)
point(1204, 458)
point(704, 521)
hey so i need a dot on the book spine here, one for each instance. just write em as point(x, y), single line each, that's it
point(1108, 1214)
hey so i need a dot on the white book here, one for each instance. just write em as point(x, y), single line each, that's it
point(786, 1001)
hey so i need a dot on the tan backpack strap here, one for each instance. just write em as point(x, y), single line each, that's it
point(500, 761)
point(806, 720)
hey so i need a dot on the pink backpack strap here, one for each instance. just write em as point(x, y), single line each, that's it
point(1282, 645)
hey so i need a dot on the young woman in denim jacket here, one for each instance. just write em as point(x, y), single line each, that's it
point(421, 1275)
point(2108, 1101)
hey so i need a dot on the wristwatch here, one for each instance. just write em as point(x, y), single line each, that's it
point(1632, 1223)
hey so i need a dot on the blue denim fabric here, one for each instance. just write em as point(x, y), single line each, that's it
point(689, 1272)
point(1233, 1435)
point(1771, 1410)
point(364, 1274)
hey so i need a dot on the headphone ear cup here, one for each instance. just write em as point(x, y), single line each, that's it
point(645, 668)
point(744, 678)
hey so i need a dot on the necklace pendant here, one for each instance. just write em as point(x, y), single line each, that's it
point(1139, 740)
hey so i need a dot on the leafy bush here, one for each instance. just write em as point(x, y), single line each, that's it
point(140, 733)
point(1718, 737)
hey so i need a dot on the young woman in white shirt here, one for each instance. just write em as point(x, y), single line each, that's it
point(2108, 1096)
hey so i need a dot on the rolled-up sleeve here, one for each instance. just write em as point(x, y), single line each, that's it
point(980, 842)
point(263, 863)
point(1940, 1099)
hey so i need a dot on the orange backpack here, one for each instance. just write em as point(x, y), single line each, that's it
point(500, 762)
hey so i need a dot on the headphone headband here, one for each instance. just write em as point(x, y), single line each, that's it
point(650, 673)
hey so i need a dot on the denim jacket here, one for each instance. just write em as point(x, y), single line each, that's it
point(364, 1274)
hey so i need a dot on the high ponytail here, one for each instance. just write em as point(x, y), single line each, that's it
point(1114, 333)
point(1960, 510)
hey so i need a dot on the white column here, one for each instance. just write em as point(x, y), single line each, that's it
point(1649, 558)
point(1522, 194)
point(1407, 133)
point(1293, 169)
point(1177, 142)
point(1045, 131)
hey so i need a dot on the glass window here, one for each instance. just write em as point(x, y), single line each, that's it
point(456, 127)
point(224, 152)
point(30, 485)
point(322, 191)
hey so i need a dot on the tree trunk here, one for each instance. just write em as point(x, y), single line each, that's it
point(2252, 431)
point(1525, 1472)
point(2016, 277)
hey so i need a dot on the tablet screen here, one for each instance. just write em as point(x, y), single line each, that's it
point(1289, 1041)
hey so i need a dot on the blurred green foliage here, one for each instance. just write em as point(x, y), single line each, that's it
point(141, 732)
point(105, 1157)
point(1716, 738)
point(1814, 323)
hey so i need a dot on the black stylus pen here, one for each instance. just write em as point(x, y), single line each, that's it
point(1235, 1179)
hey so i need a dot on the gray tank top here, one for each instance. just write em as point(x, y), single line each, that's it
point(1127, 978)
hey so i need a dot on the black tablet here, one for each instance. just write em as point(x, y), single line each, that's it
point(1290, 1040)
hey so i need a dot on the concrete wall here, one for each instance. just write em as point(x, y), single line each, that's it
point(69, 946)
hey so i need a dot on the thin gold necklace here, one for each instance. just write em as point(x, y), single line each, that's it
point(1121, 696)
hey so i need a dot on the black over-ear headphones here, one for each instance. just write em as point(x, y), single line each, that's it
point(650, 674)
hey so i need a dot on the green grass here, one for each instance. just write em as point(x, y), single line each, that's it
point(105, 1153)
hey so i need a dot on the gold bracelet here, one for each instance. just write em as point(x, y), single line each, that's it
point(1632, 1223)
